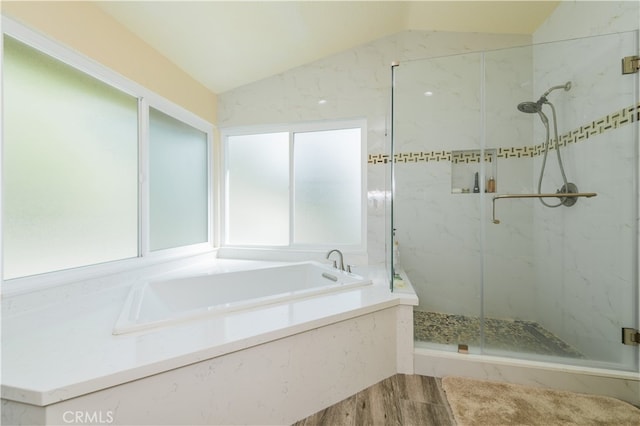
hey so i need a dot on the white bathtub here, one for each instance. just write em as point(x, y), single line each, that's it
point(163, 302)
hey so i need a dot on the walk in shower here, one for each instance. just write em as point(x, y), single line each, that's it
point(515, 200)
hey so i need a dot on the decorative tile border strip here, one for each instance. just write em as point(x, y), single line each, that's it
point(378, 159)
point(422, 157)
point(526, 151)
point(473, 156)
point(612, 121)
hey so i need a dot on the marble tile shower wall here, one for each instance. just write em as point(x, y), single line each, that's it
point(355, 83)
point(584, 254)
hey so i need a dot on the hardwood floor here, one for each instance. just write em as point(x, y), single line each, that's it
point(399, 400)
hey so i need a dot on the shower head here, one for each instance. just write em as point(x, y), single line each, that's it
point(530, 107)
point(536, 107)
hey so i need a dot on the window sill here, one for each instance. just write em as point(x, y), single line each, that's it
point(352, 256)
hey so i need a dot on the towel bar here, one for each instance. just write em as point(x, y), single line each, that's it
point(557, 195)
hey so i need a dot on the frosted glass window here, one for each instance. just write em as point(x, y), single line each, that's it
point(295, 189)
point(257, 189)
point(179, 183)
point(70, 166)
point(327, 182)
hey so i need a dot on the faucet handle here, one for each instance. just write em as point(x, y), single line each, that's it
point(349, 268)
point(335, 264)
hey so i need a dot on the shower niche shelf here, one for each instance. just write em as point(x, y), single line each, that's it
point(464, 166)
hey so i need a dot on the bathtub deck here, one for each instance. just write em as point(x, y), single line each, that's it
point(523, 336)
point(61, 346)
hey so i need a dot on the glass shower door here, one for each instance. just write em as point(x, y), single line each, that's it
point(546, 283)
point(561, 281)
point(437, 119)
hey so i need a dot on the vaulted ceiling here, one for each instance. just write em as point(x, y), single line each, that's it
point(226, 44)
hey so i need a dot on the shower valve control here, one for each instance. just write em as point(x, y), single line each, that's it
point(630, 336)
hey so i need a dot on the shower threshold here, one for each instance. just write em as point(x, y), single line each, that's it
point(500, 334)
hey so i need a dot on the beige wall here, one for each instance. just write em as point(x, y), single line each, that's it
point(87, 29)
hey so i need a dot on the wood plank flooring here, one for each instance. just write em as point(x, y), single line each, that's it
point(399, 400)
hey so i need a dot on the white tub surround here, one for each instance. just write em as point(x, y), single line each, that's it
point(272, 364)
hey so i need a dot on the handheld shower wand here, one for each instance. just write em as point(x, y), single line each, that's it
point(536, 107)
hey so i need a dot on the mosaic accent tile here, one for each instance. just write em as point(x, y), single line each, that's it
point(422, 157)
point(527, 151)
point(612, 121)
point(504, 334)
point(468, 157)
point(378, 159)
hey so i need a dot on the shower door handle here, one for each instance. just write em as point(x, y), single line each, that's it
point(556, 195)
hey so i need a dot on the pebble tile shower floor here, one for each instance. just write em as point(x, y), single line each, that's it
point(523, 336)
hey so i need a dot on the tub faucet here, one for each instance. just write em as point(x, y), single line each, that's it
point(334, 262)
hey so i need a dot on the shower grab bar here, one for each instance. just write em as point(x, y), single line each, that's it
point(557, 195)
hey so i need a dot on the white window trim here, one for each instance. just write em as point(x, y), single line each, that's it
point(292, 251)
point(146, 98)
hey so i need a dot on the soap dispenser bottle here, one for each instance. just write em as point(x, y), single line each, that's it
point(491, 185)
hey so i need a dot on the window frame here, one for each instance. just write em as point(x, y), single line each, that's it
point(292, 248)
point(146, 99)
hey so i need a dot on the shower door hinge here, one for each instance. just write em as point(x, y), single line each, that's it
point(630, 336)
point(630, 64)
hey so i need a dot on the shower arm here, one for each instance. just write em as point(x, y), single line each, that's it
point(557, 195)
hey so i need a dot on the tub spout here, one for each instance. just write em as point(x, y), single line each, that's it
point(341, 266)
